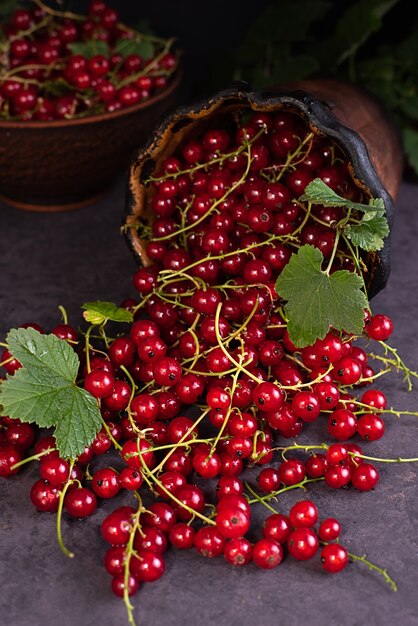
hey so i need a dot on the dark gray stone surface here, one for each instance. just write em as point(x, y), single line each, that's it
point(69, 258)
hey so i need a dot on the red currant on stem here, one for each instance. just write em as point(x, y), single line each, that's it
point(302, 543)
point(303, 514)
point(334, 557)
point(80, 502)
point(181, 536)
point(329, 529)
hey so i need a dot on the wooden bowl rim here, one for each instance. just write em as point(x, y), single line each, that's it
point(101, 117)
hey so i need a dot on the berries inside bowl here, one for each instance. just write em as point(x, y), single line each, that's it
point(225, 178)
point(77, 95)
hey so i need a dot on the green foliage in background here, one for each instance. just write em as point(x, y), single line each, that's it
point(360, 41)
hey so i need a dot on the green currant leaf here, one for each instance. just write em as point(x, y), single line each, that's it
point(144, 48)
point(89, 48)
point(290, 20)
point(316, 301)
point(7, 7)
point(409, 106)
point(100, 312)
point(57, 87)
point(292, 68)
point(354, 27)
point(369, 234)
point(44, 391)
point(318, 192)
point(410, 139)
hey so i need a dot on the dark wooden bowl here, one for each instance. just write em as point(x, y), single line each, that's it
point(339, 110)
point(67, 164)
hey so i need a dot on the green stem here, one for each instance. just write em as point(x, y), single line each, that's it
point(356, 259)
point(376, 568)
point(396, 362)
point(64, 314)
point(162, 487)
point(129, 551)
point(182, 444)
point(217, 257)
point(148, 69)
point(274, 494)
point(141, 36)
point(211, 208)
point(371, 409)
point(61, 14)
point(283, 168)
point(67, 553)
point(34, 457)
point(382, 460)
point(334, 251)
point(111, 437)
point(324, 446)
point(88, 346)
point(133, 386)
point(199, 166)
point(227, 416)
point(258, 498)
point(183, 439)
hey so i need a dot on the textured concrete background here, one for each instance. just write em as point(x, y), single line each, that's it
point(69, 258)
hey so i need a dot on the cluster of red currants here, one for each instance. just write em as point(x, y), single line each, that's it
point(143, 549)
point(57, 65)
point(206, 383)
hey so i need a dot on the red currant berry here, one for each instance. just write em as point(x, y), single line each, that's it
point(347, 371)
point(305, 405)
point(232, 521)
point(277, 527)
point(342, 424)
point(316, 465)
point(334, 557)
point(303, 514)
point(379, 327)
point(119, 585)
point(181, 536)
point(209, 542)
point(365, 477)
point(99, 383)
point(130, 478)
point(268, 397)
point(302, 544)
point(114, 560)
point(337, 476)
point(116, 527)
point(150, 538)
point(267, 553)
point(292, 472)
point(55, 470)
point(80, 502)
point(106, 482)
point(44, 496)
point(238, 551)
point(329, 529)
point(370, 427)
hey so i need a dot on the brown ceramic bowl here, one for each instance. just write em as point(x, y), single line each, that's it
point(67, 164)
